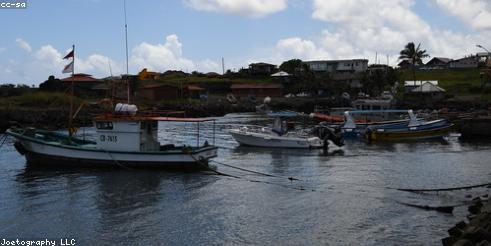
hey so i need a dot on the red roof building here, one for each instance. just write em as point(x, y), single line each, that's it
point(158, 92)
point(82, 80)
point(258, 90)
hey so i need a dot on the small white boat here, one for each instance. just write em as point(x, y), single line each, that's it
point(121, 140)
point(276, 137)
point(266, 138)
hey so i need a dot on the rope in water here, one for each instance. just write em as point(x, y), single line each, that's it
point(5, 136)
point(252, 171)
point(243, 178)
point(443, 189)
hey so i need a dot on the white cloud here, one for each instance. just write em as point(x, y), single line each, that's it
point(23, 44)
point(476, 13)
point(48, 60)
point(2, 49)
point(167, 56)
point(362, 28)
point(249, 8)
point(296, 47)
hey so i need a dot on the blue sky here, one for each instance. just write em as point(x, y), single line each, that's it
point(195, 34)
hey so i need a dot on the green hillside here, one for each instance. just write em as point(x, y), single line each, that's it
point(458, 82)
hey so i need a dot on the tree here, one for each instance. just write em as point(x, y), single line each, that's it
point(414, 55)
point(292, 66)
point(52, 84)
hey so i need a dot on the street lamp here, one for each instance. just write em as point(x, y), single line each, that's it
point(487, 55)
point(482, 47)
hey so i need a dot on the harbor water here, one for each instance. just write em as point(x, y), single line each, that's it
point(346, 196)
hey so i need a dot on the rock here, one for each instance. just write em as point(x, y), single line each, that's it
point(474, 209)
point(463, 242)
point(455, 231)
point(448, 241)
point(476, 234)
point(484, 243)
point(461, 225)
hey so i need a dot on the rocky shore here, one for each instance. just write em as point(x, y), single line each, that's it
point(478, 229)
point(56, 117)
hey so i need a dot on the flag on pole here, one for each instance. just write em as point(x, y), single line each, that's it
point(68, 68)
point(69, 55)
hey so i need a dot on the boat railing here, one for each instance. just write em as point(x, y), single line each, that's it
point(350, 123)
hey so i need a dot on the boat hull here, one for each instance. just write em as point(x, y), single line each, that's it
point(264, 140)
point(388, 135)
point(38, 152)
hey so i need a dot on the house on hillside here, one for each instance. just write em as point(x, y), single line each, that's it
point(353, 80)
point(466, 62)
point(257, 90)
point(262, 68)
point(159, 92)
point(430, 91)
point(338, 66)
point(82, 80)
point(410, 85)
point(85, 84)
point(378, 67)
point(347, 72)
point(438, 63)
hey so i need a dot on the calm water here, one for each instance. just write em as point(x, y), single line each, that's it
point(341, 198)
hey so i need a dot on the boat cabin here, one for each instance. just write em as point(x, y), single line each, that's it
point(126, 134)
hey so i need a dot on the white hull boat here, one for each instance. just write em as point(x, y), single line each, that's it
point(121, 141)
point(269, 139)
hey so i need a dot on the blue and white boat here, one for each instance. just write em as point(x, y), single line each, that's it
point(352, 128)
point(415, 129)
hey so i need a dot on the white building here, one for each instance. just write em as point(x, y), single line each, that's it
point(339, 66)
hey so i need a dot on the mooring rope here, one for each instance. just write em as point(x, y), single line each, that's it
point(252, 171)
point(442, 189)
point(246, 179)
point(116, 161)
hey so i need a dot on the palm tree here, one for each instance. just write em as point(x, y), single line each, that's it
point(414, 55)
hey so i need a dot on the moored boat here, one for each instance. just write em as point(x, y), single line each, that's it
point(352, 128)
point(415, 129)
point(121, 140)
point(279, 136)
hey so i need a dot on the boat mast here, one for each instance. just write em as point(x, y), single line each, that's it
point(70, 117)
point(126, 38)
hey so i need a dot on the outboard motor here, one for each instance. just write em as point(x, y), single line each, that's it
point(325, 133)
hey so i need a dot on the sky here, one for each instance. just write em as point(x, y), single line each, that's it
point(194, 35)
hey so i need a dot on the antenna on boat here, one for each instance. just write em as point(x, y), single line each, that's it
point(127, 70)
point(111, 82)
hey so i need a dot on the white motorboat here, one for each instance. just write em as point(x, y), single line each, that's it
point(278, 136)
point(264, 137)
